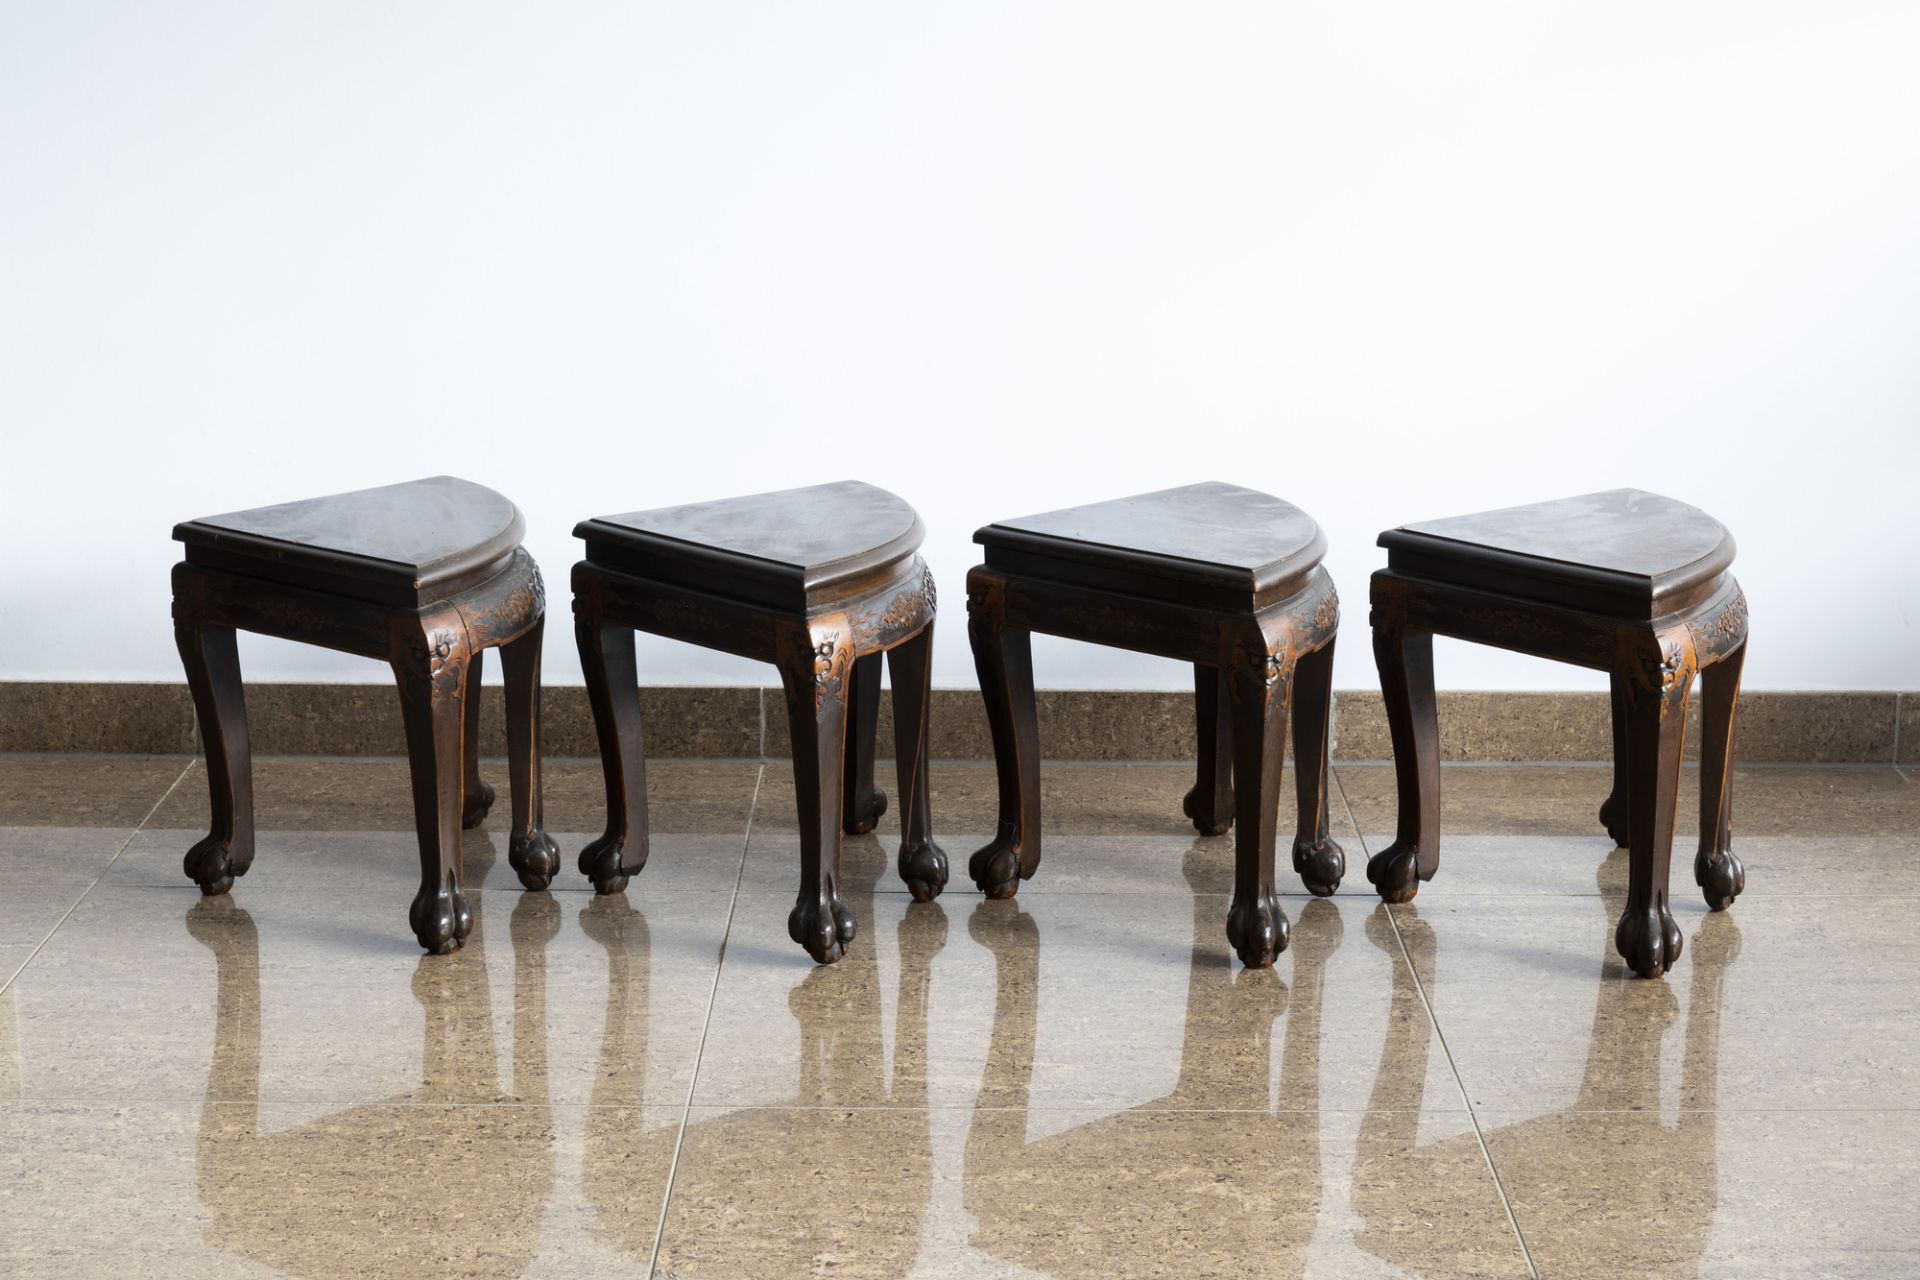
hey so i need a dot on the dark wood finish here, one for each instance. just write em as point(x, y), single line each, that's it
point(922, 865)
point(1208, 543)
point(863, 803)
point(1225, 578)
point(402, 544)
point(478, 794)
point(613, 691)
point(1715, 868)
point(1210, 800)
point(820, 582)
point(424, 576)
point(1319, 861)
point(1622, 552)
point(1653, 605)
point(784, 550)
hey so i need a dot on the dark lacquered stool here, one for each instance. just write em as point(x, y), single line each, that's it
point(818, 581)
point(426, 576)
point(1216, 575)
point(1625, 582)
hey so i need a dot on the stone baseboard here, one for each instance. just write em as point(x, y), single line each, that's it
point(351, 719)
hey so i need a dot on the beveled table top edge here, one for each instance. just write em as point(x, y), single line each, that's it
point(611, 530)
point(1254, 578)
point(202, 532)
point(1669, 582)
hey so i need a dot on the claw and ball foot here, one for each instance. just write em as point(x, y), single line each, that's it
point(211, 864)
point(479, 802)
point(1190, 805)
point(862, 819)
point(1720, 877)
point(600, 863)
point(1648, 939)
point(535, 858)
point(1321, 864)
point(924, 869)
point(1613, 816)
point(822, 924)
point(1395, 872)
point(1258, 929)
point(996, 869)
point(440, 917)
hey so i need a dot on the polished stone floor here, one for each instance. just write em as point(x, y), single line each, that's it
point(1079, 1083)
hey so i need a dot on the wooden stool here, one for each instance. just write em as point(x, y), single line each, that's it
point(425, 576)
point(1626, 582)
point(1216, 575)
point(818, 581)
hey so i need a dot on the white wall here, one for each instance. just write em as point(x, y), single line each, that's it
point(1389, 260)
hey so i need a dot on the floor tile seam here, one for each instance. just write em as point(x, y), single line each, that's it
point(706, 1025)
point(1353, 823)
point(95, 882)
point(1486, 1153)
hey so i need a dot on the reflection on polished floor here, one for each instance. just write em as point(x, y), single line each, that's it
point(1079, 1083)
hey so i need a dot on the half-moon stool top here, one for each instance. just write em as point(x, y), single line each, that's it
point(1623, 552)
point(1201, 543)
point(425, 576)
point(1223, 577)
point(1624, 581)
point(819, 581)
point(793, 549)
point(397, 544)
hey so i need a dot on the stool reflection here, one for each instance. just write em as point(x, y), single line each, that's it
point(1627, 1186)
point(1087, 1201)
point(780, 1170)
point(408, 1185)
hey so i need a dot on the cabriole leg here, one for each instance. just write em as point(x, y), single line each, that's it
point(1210, 801)
point(1613, 813)
point(1405, 658)
point(1657, 685)
point(1316, 857)
point(531, 852)
point(613, 690)
point(431, 672)
point(1256, 926)
point(863, 802)
point(923, 866)
point(815, 668)
point(212, 660)
point(1003, 657)
point(1715, 867)
point(479, 793)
